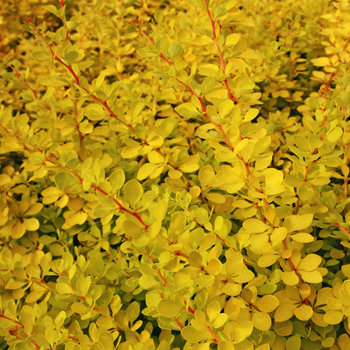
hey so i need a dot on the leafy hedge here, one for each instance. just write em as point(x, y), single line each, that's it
point(174, 175)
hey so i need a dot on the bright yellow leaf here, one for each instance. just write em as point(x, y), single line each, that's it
point(267, 303)
point(304, 312)
point(261, 321)
point(255, 225)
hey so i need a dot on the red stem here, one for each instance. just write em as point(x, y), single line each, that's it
point(291, 263)
point(342, 228)
point(98, 188)
point(15, 332)
point(10, 319)
point(223, 64)
point(26, 84)
point(217, 126)
point(215, 338)
point(76, 78)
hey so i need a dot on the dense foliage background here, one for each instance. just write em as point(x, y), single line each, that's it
point(174, 175)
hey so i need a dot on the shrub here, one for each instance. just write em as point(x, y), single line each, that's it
point(174, 175)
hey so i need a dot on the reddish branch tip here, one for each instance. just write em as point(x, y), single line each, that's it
point(29, 21)
point(135, 21)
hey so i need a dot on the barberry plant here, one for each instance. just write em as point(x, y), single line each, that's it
point(174, 175)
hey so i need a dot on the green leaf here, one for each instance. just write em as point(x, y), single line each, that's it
point(95, 112)
point(219, 12)
point(50, 8)
point(59, 320)
point(159, 16)
point(168, 308)
point(117, 179)
point(146, 52)
point(192, 335)
point(40, 56)
point(312, 102)
point(71, 56)
point(293, 343)
point(196, 3)
point(148, 282)
point(65, 179)
point(175, 50)
point(133, 311)
point(133, 192)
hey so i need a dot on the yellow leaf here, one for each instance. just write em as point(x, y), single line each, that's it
point(81, 217)
point(298, 222)
point(279, 234)
point(251, 114)
point(321, 62)
point(18, 230)
point(334, 304)
point(333, 317)
point(250, 54)
point(304, 312)
point(268, 260)
point(243, 331)
point(274, 179)
point(346, 288)
point(213, 310)
point(192, 335)
point(34, 209)
point(304, 291)
point(195, 191)
point(4, 179)
point(63, 201)
point(146, 170)
point(255, 225)
point(261, 321)
point(226, 345)
point(290, 278)
point(311, 277)
point(206, 175)
point(302, 238)
point(34, 296)
point(175, 174)
point(31, 224)
point(51, 194)
point(284, 312)
point(267, 303)
point(215, 197)
point(310, 262)
point(232, 39)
